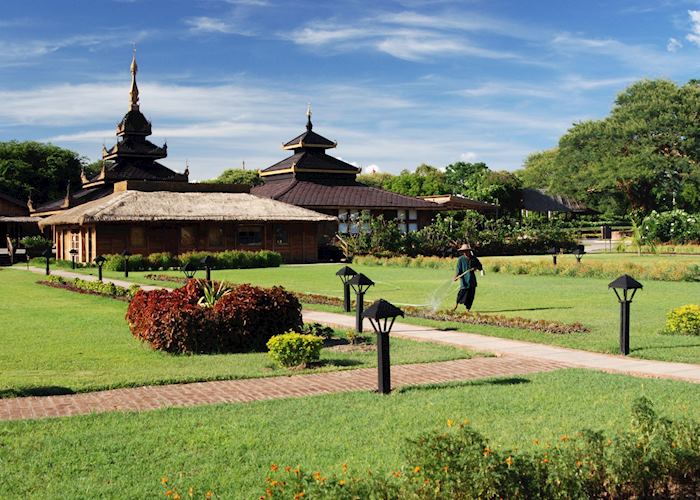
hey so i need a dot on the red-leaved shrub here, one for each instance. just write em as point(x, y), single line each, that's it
point(243, 320)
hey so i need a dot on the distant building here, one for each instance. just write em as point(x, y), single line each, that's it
point(539, 201)
point(137, 204)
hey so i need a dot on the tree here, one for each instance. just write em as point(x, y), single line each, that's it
point(238, 176)
point(425, 181)
point(42, 170)
point(377, 179)
point(643, 156)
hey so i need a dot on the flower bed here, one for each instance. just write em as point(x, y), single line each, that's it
point(656, 458)
point(243, 320)
point(104, 289)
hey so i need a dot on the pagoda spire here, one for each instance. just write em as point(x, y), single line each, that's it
point(134, 91)
point(309, 126)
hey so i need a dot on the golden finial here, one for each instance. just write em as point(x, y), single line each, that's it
point(134, 92)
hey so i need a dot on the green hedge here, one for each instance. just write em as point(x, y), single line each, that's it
point(98, 287)
point(230, 259)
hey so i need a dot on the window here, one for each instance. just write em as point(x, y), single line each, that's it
point(343, 220)
point(187, 236)
point(137, 237)
point(281, 236)
point(250, 235)
point(354, 221)
point(215, 236)
point(412, 227)
point(412, 214)
point(74, 240)
point(401, 215)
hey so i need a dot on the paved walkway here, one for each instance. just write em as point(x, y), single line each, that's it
point(541, 352)
point(239, 391)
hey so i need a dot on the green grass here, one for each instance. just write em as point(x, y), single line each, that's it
point(57, 341)
point(586, 300)
point(229, 448)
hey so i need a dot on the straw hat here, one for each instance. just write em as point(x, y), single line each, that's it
point(464, 246)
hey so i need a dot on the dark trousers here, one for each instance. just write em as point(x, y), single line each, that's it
point(466, 296)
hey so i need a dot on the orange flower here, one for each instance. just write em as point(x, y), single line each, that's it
point(487, 451)
point(450, 422)
point(509, 460)
point(578, 464)
point(176, 496)
point(209, 495)
point(446, 468)
point(396, 473)
point(274, 467)
point(341, 482)
point(164, 480)
point(564, 438)
point(545, 460)
point(345, 467)
point(168, 493)
point(190, 492)
point(535, 441)
point(416, 469)
point(287, 468)
point(299, 495)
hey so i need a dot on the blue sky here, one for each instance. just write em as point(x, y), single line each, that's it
point(395, 83)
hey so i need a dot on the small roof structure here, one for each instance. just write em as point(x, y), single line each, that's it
point(538, 200)
point(165, 206)
point(458, 202)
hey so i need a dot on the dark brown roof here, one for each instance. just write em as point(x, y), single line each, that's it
point(538, 200)
point(134, 123)
point(13, 200)
point(78, 198)
point(135, 146)
point(313, 160)
point(354, 195)
point(309, 139)
point(139, 170)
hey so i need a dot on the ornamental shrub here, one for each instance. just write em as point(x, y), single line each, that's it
point(655, 458)
point(242, 320)
point(229, 259)
point(676, 226)
point(96, 287)
point(293, 349)
point(684, 320)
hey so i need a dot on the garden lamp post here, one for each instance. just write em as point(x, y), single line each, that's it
point(554, 251)
point(189, 270)
point(207, 262)
point(73, 253)
point(360, 284)
point(345, 274)
point(578, 253)
point(382, 315)
point(47, 253)
point(100, 261)
point(126, 254)
point(625, 283)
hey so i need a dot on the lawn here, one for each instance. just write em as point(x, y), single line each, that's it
point(586, 300)
point(229, 448)
point(57, 341)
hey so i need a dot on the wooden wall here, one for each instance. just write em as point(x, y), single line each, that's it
point(12, 209)
point(301, 239)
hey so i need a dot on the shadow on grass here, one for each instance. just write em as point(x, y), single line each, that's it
point(51, 390)
point(526, 309)
point(654, 348)
point(466, 383)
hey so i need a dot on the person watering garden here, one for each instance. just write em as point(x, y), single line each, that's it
point(466, 265)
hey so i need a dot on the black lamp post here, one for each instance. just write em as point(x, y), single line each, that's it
point(47, 253)
point(345, 273)
point(360, 284)
point(578, 253)
point(554, 251)
point(383, 310)
point(100, 261)
point(189, 270)
point(126, 254)
point(73, 253)
point(207, 262)
point(625, 283)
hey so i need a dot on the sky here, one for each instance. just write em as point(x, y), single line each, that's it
point(395, 83)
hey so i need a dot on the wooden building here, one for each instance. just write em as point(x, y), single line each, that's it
point(137, 204)
point(312, 179)
point(143, 219)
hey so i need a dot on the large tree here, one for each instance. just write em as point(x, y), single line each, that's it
point(42, 170)
point(643, 156)
point(477, 181)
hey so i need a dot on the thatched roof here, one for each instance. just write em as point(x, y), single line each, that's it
point(156, 206)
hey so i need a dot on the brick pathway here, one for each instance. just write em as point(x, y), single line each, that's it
point(239, 391)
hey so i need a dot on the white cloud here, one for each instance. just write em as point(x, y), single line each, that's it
point(673, 45)
point(469, 156)
point(694, 37)
point(371, 169)
point(205, 24)
point(405, 35)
